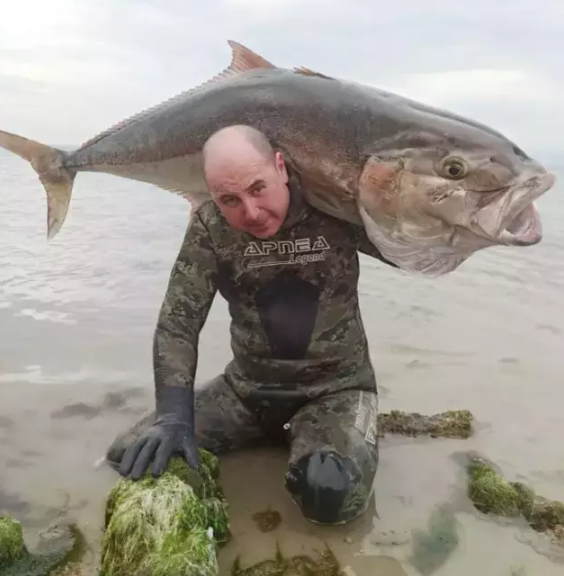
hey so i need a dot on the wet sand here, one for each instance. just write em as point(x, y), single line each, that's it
point(76, 322)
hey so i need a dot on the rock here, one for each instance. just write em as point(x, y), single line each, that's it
point(491, 493)
point(449, 424)
point(61, 545)
point(172, 524)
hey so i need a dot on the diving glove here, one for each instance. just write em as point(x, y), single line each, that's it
point(172, 433)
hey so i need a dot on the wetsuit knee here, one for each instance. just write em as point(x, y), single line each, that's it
point(328, 488)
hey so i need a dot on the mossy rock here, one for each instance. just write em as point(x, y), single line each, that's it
point(59, 546)
point(172, 524)
point(491, 493)
point(546, 515)
point(449, 424)
point(12, 546)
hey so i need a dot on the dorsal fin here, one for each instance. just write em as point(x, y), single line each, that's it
point(242, 60)
point(309, 72)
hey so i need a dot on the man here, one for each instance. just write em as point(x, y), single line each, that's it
point(300, 363)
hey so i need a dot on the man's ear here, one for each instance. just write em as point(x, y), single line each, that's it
point(281, 166)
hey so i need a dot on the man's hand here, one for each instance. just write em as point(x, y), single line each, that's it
point(159, 443)
point(172, 433)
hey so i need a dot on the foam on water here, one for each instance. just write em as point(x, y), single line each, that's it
point(76, 323)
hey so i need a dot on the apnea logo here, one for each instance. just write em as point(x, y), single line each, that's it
point(299, 251)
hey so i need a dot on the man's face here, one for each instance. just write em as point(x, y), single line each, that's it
point(251, 192)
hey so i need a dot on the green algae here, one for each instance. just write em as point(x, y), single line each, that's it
point(449, 424)
point(492, 494)
point(60, 546)
point(12, 546)
point(172, 524)
point(300, 565)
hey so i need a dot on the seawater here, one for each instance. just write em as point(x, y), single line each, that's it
point(77, 316)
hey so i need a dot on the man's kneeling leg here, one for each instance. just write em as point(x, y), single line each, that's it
point(334, 456)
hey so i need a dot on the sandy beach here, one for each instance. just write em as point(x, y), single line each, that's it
point(76, 323)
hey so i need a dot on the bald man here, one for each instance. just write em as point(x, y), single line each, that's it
point(301, 369)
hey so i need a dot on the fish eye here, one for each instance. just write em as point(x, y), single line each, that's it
point(454, 168)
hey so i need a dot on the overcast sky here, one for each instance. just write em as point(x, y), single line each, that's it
point(70, 68)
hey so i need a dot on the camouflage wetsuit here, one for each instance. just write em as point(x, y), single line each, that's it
point(300, 355)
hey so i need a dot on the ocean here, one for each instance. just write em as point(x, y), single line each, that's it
point(77, 316)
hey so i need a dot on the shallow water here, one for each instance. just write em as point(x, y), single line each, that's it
point(76, 323)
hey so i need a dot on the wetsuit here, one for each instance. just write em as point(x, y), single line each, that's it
point(301, 362)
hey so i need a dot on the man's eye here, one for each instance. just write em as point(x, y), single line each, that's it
point(257, 190)
point(230, 201)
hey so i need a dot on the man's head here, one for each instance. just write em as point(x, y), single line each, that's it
point(247, 180)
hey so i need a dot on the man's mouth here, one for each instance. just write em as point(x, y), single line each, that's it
point(257, 224)
point(259, 228)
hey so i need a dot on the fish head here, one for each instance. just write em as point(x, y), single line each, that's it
point(429, 200)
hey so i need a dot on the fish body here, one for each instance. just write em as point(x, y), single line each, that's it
point(430, 187)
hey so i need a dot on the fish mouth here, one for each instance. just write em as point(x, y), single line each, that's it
point(521, 224)
point(525, 229)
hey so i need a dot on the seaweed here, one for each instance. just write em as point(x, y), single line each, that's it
point(325, 565)
point(299, 565)
point(491, 493)
point(12, 546)
point(267, 520)
point(449, 424)
point(276, 566)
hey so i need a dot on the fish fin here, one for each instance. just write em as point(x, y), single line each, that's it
point(242, 60)
point(303, 71)
point(57, 180)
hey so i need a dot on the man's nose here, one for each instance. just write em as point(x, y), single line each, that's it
point(251, 210)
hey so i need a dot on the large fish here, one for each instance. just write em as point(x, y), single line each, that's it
point(430, 187)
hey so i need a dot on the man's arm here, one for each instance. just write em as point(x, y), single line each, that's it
point(188, 299)
point(366, 247)
point(189, 296)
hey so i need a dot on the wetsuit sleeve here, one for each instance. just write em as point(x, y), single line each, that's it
point(188, 299)
point(366, 247)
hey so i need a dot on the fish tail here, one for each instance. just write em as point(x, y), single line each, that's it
point(49, 164)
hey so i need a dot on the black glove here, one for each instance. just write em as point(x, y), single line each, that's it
point(172, 432)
